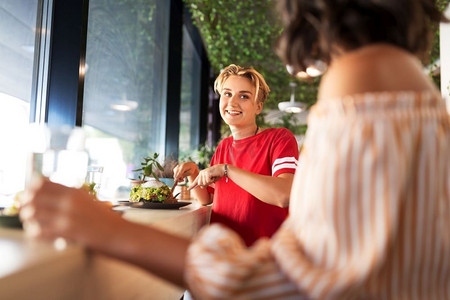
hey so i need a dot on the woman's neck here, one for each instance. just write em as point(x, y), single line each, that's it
point(242, 133)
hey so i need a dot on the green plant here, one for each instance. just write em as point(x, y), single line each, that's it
point(202, 156)
point(244, 33)
point(149, 167)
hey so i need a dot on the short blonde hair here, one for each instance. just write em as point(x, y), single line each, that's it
point(262, 89)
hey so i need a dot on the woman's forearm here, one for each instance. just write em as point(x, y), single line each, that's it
point(269, 189)
point(58, 211)
point(157, 252)
point(202, 195)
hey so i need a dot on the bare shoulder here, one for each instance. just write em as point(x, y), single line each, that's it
point(374, 68)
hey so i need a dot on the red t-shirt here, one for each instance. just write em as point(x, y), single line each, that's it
point(271, 152)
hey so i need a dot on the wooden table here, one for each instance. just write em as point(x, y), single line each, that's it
point(31, 269)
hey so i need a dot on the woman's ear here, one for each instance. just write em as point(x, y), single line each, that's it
point(260, 106)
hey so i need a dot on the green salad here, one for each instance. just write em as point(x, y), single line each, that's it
point(152, 194)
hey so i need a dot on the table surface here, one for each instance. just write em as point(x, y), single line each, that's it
point(23, 258)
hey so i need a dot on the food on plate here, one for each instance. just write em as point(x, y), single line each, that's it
point(13, 210)
point(152, 191)
point(10, 211)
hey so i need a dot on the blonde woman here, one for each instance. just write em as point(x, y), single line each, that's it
point(251, 172)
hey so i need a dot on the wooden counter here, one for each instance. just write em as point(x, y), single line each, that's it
point(31, 269)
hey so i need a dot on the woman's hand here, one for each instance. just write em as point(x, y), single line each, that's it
point(208, 176)
point(183, 170)
point(190, 170)
point(50, 210)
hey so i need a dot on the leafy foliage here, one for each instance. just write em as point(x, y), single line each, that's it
point(435, 47)
point(289, 121)
point(244, 33)
point(202, 157)
point(149, 167)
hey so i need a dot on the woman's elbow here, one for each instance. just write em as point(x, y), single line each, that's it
point(283, 190)
point(284, 202)
point(204, 203)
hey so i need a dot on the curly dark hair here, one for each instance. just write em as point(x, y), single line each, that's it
point(312, 28)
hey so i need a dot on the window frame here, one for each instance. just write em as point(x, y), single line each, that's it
point(66, 64)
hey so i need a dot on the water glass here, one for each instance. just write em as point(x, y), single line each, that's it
point(58, 153)
point(94, 177)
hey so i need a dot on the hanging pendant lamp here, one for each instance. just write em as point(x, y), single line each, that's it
point(292, 106)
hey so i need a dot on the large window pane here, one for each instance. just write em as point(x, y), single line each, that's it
point(17, 49)
point(190, 97)
point(124, 96)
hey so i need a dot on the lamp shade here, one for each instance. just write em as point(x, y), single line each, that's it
point(125, 105)
point(292, 106)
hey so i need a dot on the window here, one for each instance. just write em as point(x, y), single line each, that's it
point(19, 32)
point(190, 97)
point(124, 104)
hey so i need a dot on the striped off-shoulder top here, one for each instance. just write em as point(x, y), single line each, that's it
point(369, 212)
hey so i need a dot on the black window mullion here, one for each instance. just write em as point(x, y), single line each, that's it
point(67, 56)
point(174, 79)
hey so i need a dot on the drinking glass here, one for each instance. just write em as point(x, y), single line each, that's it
point(58, 154)
point(94, 177)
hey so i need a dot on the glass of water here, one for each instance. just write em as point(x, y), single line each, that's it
point(94, 177)
point(58, 153)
